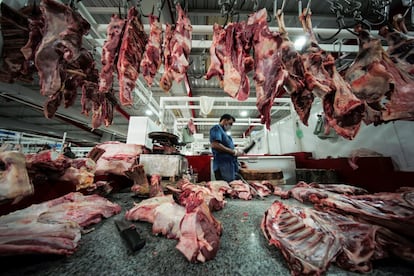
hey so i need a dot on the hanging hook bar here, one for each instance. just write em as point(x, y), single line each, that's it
point(308, 6)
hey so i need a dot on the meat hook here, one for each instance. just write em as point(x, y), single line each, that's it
point(160, 6)
point(410, 5)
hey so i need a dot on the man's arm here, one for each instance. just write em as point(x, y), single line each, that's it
point(220, 147)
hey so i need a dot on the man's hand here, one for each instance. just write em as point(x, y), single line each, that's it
point(238, 152)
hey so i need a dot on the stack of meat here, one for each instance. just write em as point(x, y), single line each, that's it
point(188, 218)
point(278, 68)
point(347, 226)
point(52, 227)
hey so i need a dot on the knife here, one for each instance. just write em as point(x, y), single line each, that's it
point(249, 147)
point(130, 235)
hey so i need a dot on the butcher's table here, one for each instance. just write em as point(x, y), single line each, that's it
point(243, 250)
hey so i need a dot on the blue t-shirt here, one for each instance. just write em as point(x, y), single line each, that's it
point(225, 162)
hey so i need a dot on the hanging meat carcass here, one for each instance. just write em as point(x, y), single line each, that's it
point(376, 79)
point(152, 55)
point(270, 73)
point(177, 48)
point(231, 59)
point(343, 110)
point(217, 52)
point(130, 56)
point(301, 96)
point(400, 46)
point(17, 50)
point(109, 52)
point(62, 39)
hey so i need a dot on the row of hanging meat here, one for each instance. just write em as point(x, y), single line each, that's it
point(47, 39)
point(377, 87)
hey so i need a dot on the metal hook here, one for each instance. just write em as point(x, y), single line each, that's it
point(408, 8)
point(308, 6)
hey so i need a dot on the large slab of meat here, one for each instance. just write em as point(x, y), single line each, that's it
point(177, 48)
point(270, 73)
point(21, 32)
point(117, 157)
point(152, 59)
point(62, 39)
point(130, 56)
point(231, 59)
point(52, 227)
point(400, 45)
point(190, 222)
point(343, 110)
point(14, 179)
point(377, 80)
point(110, 49)
point(391, 210)
point(296, 84)
point(310, 240)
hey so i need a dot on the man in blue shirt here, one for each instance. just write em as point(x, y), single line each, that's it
point(225, 165)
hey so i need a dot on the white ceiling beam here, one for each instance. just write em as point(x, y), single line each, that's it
point(229, 107)
point(220, 99)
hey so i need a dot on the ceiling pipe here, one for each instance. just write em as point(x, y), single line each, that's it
point(63, 118)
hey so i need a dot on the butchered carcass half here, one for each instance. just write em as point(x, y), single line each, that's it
point(343, 110)
point(310, 240)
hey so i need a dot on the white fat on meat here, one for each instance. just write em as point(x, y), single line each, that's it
point(167, 220)
point(117, 158)
point(52, 227)
point(145, 210)
point(14, 179)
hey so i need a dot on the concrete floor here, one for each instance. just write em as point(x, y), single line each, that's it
point(243, 250)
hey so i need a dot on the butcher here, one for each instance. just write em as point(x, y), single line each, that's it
point(225, 164)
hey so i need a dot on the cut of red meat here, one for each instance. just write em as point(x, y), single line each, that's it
point(270, 74)
point(52, 227)
point(377, 80)
point(130, 56)
point(343, 110)
point(152, 56)
point(110, 49)
point(310, 240)
point(14, 179)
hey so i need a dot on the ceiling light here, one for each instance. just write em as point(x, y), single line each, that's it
point(300, 42)
point(243, 113)
point(148, 112)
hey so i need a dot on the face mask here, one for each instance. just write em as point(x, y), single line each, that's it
point(227, 127)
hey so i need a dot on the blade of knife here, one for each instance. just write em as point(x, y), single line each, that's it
point(130, 235)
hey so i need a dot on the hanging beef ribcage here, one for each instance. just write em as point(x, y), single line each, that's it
point(310, 240)
point(343, 110)
point(387, 90)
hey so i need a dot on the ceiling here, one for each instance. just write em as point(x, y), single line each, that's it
point(21, 105)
